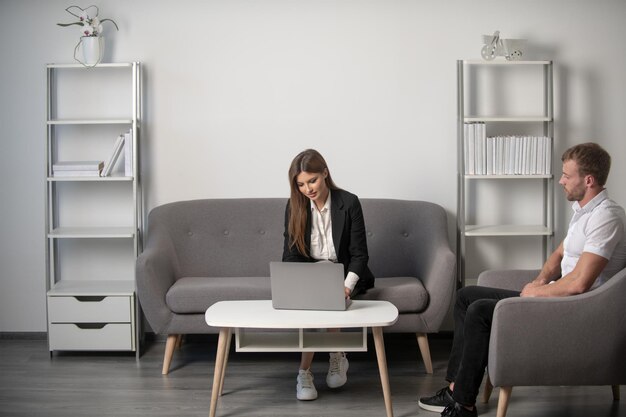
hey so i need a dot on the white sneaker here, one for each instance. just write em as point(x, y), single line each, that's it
point(337, 370)
point(305, 389)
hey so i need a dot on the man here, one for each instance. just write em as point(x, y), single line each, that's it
point(593, 251)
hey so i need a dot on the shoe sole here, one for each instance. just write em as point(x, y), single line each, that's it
point(433, 408)
point(306, 399)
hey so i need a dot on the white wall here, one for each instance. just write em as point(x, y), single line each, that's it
point(234, 89)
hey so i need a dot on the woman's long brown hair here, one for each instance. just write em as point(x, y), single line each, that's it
point(312, 161)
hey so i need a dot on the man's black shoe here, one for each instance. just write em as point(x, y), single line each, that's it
point(437, 402)
point(457, 410)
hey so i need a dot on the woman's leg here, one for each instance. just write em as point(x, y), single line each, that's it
point(306, 360)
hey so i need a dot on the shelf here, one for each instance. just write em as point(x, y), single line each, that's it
point(508, 230)
point(504, 62)
point(300, 341)
point(513, 119)
point(88, 178)
point(507, 177)
point(58, 122)
point(91, 232)
point(81, 66)
point(66, 288)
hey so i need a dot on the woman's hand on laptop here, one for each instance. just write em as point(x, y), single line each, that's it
point(348, 291)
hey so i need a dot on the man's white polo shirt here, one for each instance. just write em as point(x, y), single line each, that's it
point(599, 228)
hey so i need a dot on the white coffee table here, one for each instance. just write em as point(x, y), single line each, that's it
point(259, 314)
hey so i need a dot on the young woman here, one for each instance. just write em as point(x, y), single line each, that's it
point(324, 223)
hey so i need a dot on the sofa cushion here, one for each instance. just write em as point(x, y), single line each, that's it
point(406, 293)
point(196, 294)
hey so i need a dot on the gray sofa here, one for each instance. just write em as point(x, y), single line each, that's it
point(199, 252)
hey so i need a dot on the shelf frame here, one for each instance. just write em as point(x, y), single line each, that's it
point(55, 284)
point(544, 231)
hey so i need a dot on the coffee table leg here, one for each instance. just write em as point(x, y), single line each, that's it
point(382, 368)
point(228, 340)
point(219, 368)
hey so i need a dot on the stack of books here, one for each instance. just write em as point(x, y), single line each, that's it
point(505, 155)
point(77, 168)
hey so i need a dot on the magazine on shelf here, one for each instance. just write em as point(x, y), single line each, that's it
point(77, 173)
point(128, 153)
point(77, 166)
point(117, 150)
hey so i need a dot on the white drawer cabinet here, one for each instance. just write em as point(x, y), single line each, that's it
point(92, 316)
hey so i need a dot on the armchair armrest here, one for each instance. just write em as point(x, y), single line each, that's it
point(513, 279)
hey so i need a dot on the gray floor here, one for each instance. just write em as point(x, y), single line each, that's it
point(105, 384)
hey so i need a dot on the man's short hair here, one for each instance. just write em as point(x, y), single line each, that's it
point(591, 159)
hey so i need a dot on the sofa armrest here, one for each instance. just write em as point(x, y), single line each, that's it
point(155, 273)
point(576, 340)
point(513, 279)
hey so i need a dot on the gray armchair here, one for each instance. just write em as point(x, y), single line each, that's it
point(561, 341)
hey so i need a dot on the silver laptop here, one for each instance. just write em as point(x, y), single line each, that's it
point(307, 286)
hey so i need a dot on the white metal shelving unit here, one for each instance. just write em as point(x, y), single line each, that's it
point(93, 224)
point(544, 118)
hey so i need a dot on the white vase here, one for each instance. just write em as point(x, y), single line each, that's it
point(93, 49)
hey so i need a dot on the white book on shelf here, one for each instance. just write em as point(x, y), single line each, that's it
point(533, 155)
point(490, 155)
point(466, 150)
point(510, 143)
point(481, 148)
point(471, 149)
point(500, 155)
point(128, 153)
point(548, 158)
point(77, 166)
point(77, 173)
point(541, 154)
point(117, 149)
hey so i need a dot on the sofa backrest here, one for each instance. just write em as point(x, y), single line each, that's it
point(239, 237)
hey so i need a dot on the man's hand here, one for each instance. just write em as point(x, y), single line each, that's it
point(347, 291)
point(530, 289)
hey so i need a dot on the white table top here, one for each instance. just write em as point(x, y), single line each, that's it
point(261, 315)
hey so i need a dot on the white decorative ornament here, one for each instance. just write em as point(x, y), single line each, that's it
point(511, 49)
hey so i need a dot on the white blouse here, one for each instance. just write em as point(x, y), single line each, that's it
point(322, 246)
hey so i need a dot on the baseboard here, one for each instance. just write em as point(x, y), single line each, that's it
point(23, 336)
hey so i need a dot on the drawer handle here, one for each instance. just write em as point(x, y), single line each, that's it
point(92, 326)
point(90, 298)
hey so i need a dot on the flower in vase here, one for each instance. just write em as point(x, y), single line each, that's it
point(88, 20)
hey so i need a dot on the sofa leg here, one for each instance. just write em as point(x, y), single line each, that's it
point(170, 345)
point(422, 342)
point(503, 401)
point(615, 389)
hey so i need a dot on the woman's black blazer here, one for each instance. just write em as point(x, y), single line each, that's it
point(348, 237)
